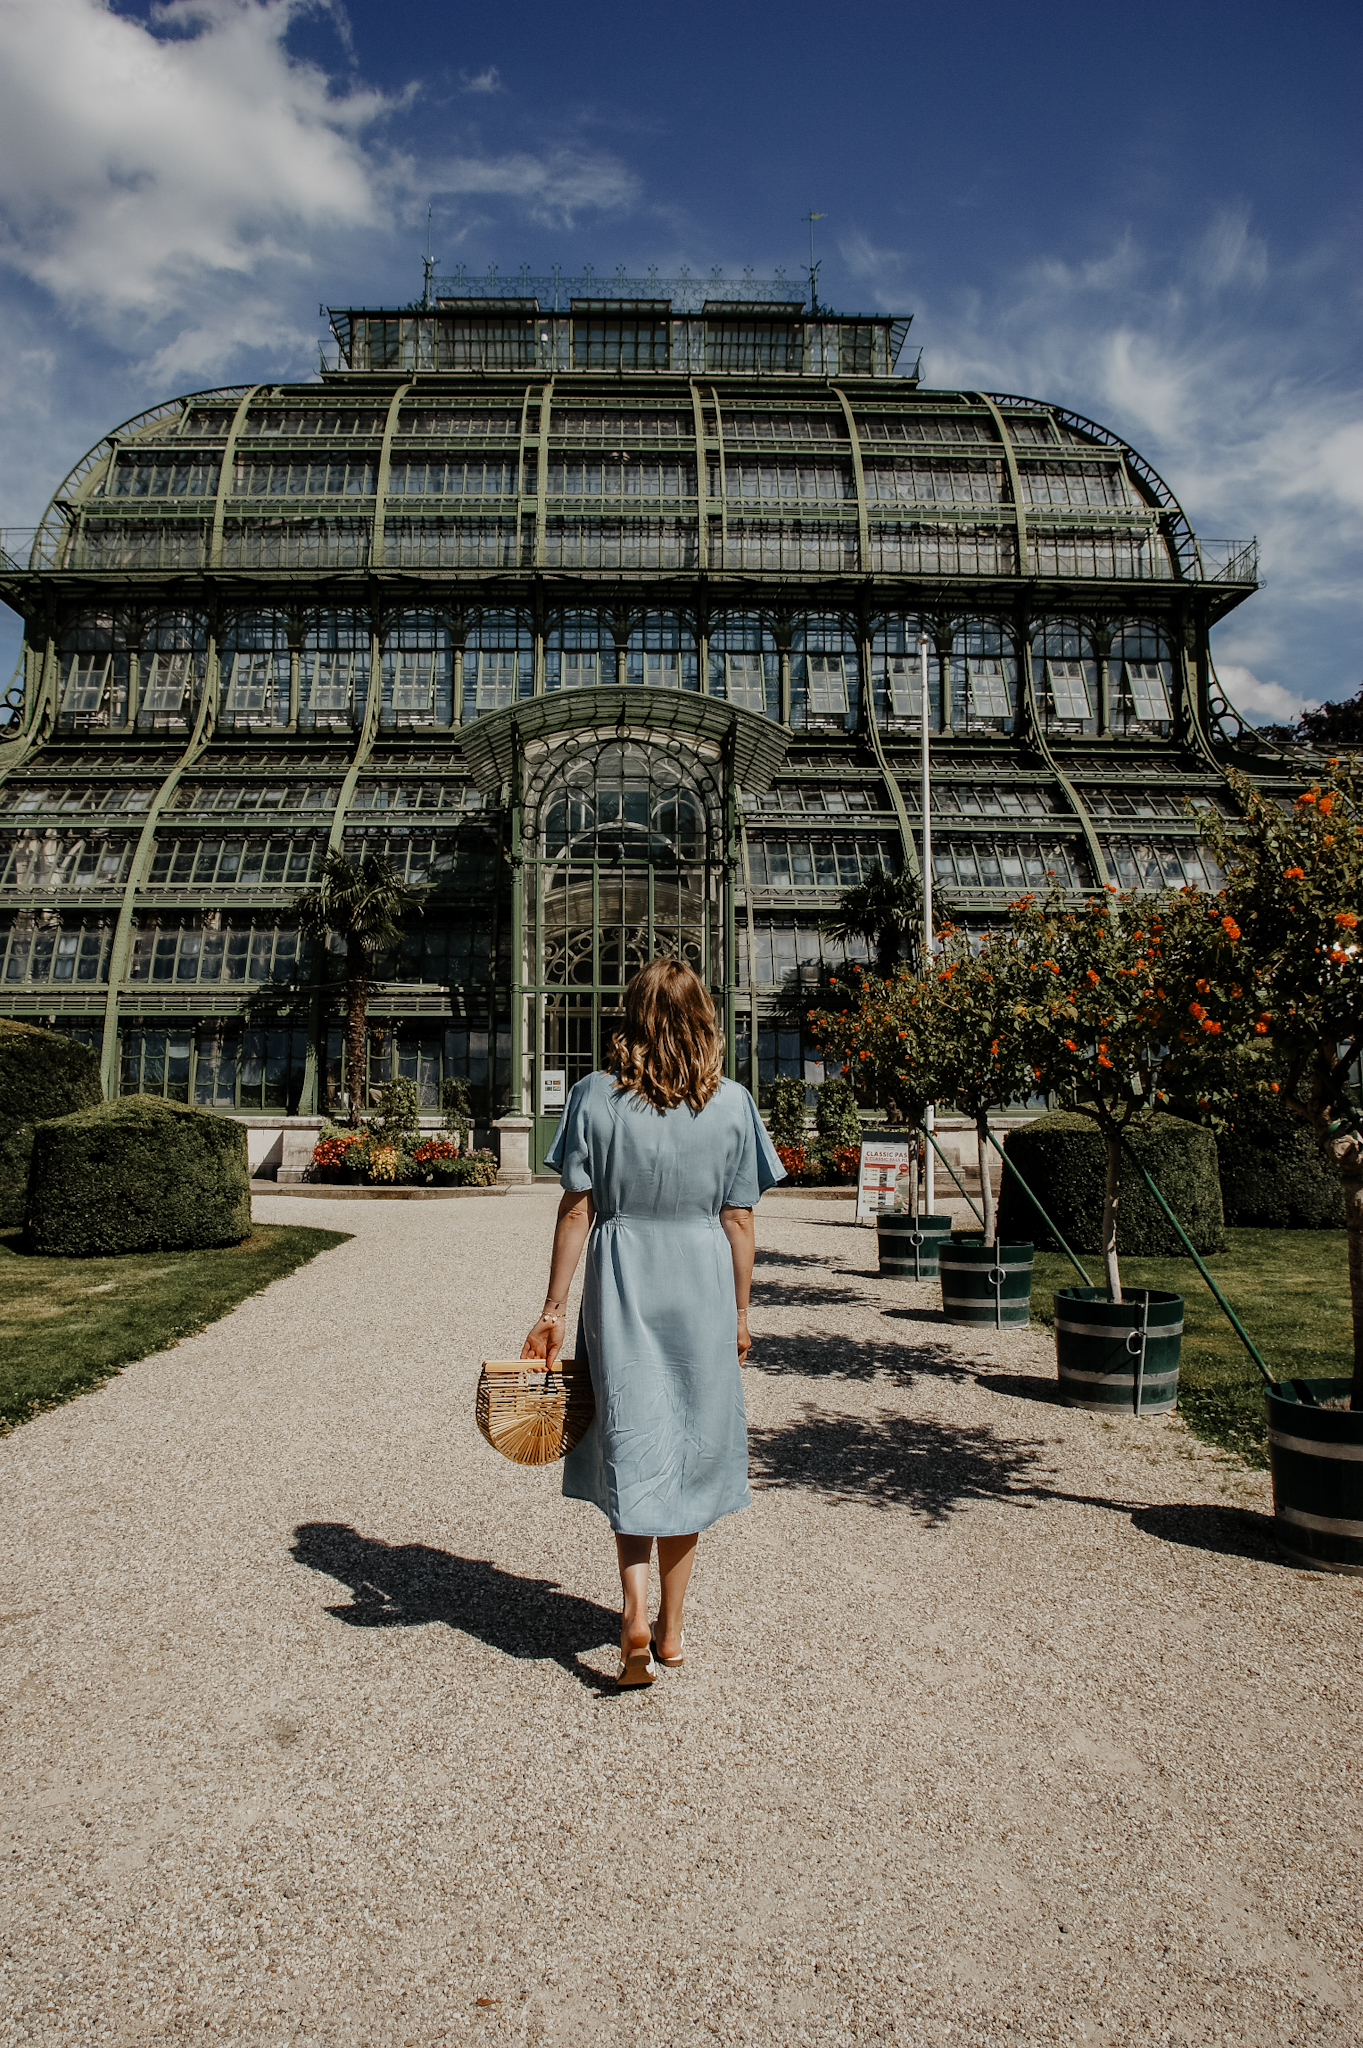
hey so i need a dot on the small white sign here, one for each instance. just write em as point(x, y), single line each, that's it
point(881, 1164)
point(553, 1089)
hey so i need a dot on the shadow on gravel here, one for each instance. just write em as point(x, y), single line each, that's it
point(856, 1358)
point(933, 1468)
point(406, 1585)
point(1230, 1532)
point(1021, 1386)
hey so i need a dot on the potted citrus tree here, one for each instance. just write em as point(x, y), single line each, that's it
point(1284, 973)
point(1113, 1028)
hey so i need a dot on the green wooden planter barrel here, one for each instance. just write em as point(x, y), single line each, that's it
point(1316, 1455)
point(989, 1284)
point(1118, 1356)
point(909, 1245)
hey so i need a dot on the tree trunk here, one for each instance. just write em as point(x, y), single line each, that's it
point(1350, 1158)
point(356, 1022)
point(1112, 1195)
point(913, 1174)
point(986, 1182)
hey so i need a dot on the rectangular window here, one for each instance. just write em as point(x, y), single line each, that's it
point(332, 675)
point(745, 681)
point(827, 685)
point(166, 683)
point(250, 690)
point(662, 670)
point(904, 685)
point(496, 686)
point(414, 679)
point(579, 668)
point(989, 695)
point(1068, 684)
point(622, 344)
point(1149, 687)
point(86, 681)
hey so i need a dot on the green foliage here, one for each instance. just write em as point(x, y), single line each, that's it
point(1276, 1173)
point(476, 1170)
point(42, 1075)
point(67, 1325)
point(362, 904)
point(458, 1111)
point(786, 1111)
point(135, 1175)
point(1062, 1158)
point(399, 1118)
point(836, 1116)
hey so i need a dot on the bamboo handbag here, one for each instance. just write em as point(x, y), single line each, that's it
point(530, 1415)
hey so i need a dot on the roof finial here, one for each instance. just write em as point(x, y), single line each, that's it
point(813, 266)
point(428, 271)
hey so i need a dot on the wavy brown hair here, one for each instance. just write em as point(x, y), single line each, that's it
point(671, 1048)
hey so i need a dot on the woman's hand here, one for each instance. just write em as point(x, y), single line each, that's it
point(545, 1340)
point(744, 1339)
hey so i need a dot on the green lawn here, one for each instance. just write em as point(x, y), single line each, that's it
point(1290, 1289)
point(68, 1324)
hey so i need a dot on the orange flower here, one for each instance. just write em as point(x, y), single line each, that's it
point(1230, 928)
point(1309, 796)
point(1196, 1010)
point(1104, 1061)
point(1346, 920)
point(1325, 806)
point(1294, 874)
point(1070, 1045)
point(1210, 1024)
point(1203, 987)
point(1273, 1087)
point(1261, 1028)
point(1091, 978)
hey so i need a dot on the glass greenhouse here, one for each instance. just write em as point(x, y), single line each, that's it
point(610, 612)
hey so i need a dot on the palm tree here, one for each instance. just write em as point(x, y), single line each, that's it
point(884, 909)
point(362, 904)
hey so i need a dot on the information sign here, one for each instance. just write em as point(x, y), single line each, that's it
point(553, 1090)
point(881, 1164)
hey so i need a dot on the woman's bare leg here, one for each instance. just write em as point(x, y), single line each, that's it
point(634, 1553)
point(676, 1555)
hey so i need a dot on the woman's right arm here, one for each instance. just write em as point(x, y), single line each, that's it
point(738, 1226)
point(575, 1214)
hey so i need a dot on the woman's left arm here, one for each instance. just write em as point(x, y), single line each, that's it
point(575, 1213)
point(738, 1226)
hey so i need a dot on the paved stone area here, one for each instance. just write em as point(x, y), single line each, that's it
point(1000, 1724)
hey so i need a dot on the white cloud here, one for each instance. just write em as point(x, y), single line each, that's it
point(488, 81)
point(1259, 701)
point(140, 162)
point(132, 162)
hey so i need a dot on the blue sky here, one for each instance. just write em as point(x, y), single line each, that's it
point(1148, 214)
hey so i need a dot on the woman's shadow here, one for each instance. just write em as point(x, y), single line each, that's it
point(406, 1585)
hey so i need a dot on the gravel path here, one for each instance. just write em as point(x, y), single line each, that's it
point(1001, 1724)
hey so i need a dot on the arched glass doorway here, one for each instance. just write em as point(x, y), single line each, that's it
point(623, 856)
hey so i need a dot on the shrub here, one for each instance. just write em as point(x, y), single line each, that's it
point(836, 1116)
point(843, 1163)
point(786, 1112)
point(139, 1174)
point(399, 1117)
point(1062, 1158)
point(478, 1170)
point(797, 1162)
point(42, 1075)
point(458, 1111)
point(1275, 1171)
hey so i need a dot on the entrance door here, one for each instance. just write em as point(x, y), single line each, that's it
point(624, 869)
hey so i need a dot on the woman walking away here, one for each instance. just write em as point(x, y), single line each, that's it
point(662, 1162)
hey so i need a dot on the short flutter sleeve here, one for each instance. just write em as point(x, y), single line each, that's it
point(570, 1149)
point(756, 1166)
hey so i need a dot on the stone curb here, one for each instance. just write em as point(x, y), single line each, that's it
point(330, 1194)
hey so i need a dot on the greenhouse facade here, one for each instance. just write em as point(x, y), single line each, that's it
point(605, 611)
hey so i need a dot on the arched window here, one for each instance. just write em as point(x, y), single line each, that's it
point(745, 667)
point(418, 672)
point(825, 675)
point(253, 668)
point(333, 680)
point(1065, 677)
point(499, 663)
point(171, 679)
point(93, 683)
point(661, 653)
point(1141, 680)
point(896, 675)
point(984, 677)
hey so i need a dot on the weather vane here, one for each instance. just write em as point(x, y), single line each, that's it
point(813, 266)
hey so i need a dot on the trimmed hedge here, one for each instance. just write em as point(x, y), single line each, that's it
point(139, 1174)
point(42, 1075)
point(1062, 1158)
point(1276, 1173)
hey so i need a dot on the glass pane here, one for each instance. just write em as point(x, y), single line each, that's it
point(1069, 689)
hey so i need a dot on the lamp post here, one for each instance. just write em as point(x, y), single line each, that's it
point(929, 1163)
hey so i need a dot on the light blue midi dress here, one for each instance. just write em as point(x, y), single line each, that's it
point(667, 1450)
